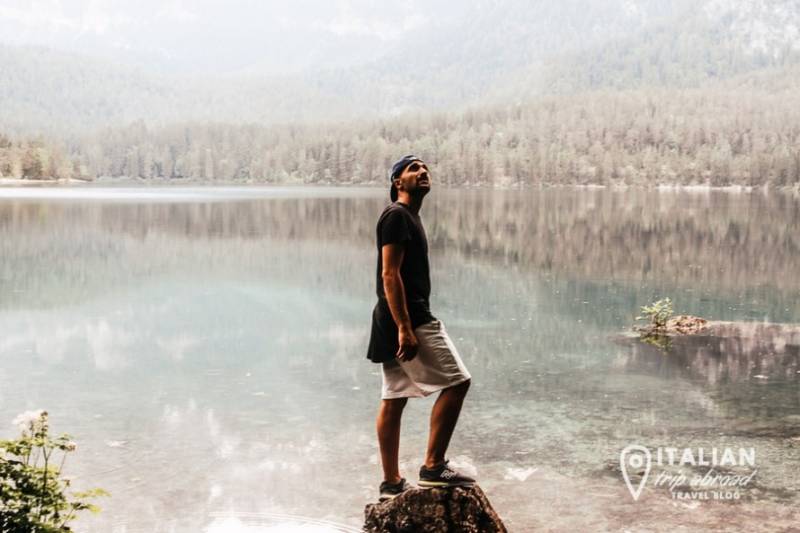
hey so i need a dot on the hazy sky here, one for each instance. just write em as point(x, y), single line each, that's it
point(225, 36)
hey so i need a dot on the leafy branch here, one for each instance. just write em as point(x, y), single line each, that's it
point(658, 314)
point(33, 495)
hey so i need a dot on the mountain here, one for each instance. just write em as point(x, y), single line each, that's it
point(43, 90)
point(494, 42)
point(211, 37)
point(489, 52)
point(722, 39)
point(67, 95)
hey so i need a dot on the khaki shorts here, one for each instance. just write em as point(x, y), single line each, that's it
point(437, 366)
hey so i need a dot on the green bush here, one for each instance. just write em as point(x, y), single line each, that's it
point(657, 313)
point(33, 495)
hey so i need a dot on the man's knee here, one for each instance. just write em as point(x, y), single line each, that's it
point(462, 387)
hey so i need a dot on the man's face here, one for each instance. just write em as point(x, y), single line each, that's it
point(415, 179)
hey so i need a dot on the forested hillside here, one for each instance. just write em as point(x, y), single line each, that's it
point(703, 46)
point(616, 91)
point(713, 136)
point(737, 132)
point(66, 95)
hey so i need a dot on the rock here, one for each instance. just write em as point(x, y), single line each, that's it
point(686, 325)
point(677, 325)
point(457, 509)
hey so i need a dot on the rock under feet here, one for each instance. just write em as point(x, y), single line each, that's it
point(456, 509)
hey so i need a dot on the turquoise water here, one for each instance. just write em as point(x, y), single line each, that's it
point(205, 346)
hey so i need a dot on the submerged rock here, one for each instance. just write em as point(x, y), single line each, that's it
point(457, 509)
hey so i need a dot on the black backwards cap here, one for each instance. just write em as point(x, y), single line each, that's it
point(398, 169)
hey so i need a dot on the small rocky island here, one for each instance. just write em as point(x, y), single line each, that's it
point(715, 350)
point(450, 510)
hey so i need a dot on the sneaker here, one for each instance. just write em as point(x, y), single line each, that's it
point(443, 476)
point(393, 490)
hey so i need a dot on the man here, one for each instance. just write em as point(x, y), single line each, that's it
point(417, 356)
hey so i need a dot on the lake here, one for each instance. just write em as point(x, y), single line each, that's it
point(205, 346)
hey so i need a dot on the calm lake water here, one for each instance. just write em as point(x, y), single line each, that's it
point(205, 347)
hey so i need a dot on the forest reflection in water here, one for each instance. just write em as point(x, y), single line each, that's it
point(223, 342)
point(684, 238)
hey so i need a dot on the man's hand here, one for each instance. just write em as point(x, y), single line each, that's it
point(408, 345)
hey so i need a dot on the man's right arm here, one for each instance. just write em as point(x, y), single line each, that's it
point(392, 259)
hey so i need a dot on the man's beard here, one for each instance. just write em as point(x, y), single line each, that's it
point(419, 192)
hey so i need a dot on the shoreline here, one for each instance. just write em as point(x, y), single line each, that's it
point(24, 182)
point(161, 182)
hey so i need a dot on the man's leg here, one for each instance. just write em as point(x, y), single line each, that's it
point(388, 425)
point(444, 416)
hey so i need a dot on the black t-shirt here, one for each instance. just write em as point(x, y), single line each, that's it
point(399, 225)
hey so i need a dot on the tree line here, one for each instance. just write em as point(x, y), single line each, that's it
point(722, 136)
point(36, 159)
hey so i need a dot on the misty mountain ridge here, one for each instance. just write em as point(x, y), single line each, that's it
point(758, 26)
point(495, 52)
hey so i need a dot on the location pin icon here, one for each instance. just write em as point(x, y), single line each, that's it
point(634, 457)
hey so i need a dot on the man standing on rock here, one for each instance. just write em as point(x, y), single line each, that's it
point(417, 356)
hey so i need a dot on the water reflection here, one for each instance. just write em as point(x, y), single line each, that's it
point(726, 241)
point(209, 356)
point(273, 523)
point(730, 353)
